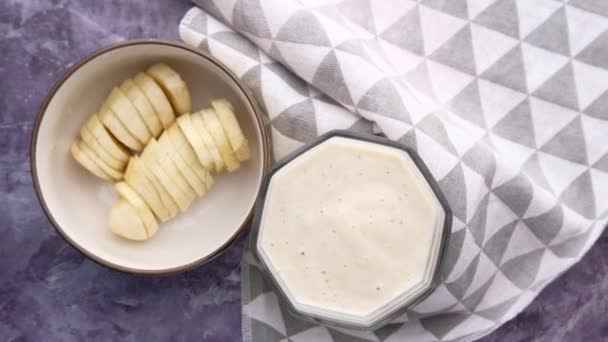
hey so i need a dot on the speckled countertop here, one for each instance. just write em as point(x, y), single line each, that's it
point(49, 292)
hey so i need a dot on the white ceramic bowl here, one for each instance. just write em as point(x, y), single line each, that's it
point(77, 203)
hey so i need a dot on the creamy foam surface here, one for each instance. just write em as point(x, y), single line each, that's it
point(348, 226)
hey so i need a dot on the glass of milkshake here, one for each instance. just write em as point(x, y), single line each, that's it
point(351, 229)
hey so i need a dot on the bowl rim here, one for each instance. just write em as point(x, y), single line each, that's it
point(443, 242)
point(258, 117)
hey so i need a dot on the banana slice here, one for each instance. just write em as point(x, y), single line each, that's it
point(93, 144)
point(128, 115)
point(182, 199)
point(204, 156)
point(243, 153)
point(173, 85)
point(168, 175)
point(164, 195)
point(157, 98)
point(114, 174)
point(187, 153)
point(238, 142)
point(186, 171)
point(138, 181)
point(209, 180)
point(199, 125)
point(110, 120)
point(145, 214)
point(163, 158)
point(214, 127)
point(107, 140)
point(87, 163)
point(124, 221)
point(143, 106)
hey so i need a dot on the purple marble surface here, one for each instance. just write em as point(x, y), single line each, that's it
point(49, 292)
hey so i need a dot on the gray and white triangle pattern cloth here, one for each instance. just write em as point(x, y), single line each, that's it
point(505, 100)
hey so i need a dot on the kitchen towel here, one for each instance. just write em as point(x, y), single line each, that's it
point(505, 100)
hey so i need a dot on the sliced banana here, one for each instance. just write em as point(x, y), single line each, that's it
point(173, 85)
point(136, 178)
point(238, 142)
point(168, 175)
point(243, 153)
point(125, 222)
point(200, 149)
point(209, 180)
point(164, 195)
point(187, 153)
point(157, 98)
point(93, 144)
point(145, 214)
point(128, 115)
point(163, 158)
point(182, 166)
point(143, 106)
point(88, 163)
point(120, 132)
point(214, 127)
point(199, 125)
point(114, 174)
point(165, 179)
point(107, 140)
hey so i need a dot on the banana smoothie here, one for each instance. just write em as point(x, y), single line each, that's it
point(350, 229)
